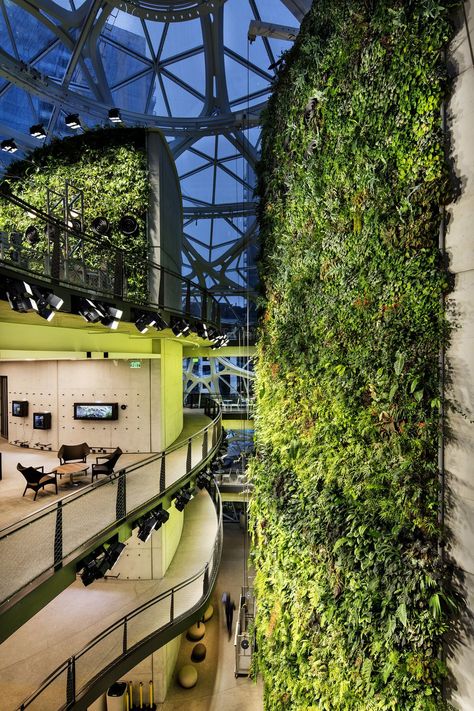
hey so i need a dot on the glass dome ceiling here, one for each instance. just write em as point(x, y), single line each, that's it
point(185, 66)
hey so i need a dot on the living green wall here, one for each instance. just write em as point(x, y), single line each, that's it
point(352, 595)
point(110, 167)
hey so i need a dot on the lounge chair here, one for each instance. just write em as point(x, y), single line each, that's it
point(36, 478)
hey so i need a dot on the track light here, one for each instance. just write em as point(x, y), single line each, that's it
point(90, 573)
point(180, 327)
point(89, 311)
point(114, 116)
point(73, 121)
point(146, 319)
point(182, 498)
point(100, 225)
point(112, 317)
point(113, 553)
point(128, 225)
point(9, 146)
point(153, 521)
point(20, 297)
point(37, 131)
point(202, 330)
point(204, 480)
point(32, 235)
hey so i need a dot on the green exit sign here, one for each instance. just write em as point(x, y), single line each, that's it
point(135, 363)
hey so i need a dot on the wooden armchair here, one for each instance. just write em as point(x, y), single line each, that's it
point(107, 467)
point(73, 452)
point(36, 478)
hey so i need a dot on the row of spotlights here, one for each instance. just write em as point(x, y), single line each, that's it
point(95, 312)
point(24, 297)
point(127, 225)
point(99, 562)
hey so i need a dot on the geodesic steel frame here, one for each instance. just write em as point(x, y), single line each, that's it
point(84, 88)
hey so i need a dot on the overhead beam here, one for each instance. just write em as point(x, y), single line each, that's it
point(298, 8)
point(257, 28)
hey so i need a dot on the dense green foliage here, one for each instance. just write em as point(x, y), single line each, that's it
point(352, 597)
point(108, 165)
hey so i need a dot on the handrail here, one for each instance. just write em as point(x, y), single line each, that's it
point(209, 574)
point(112, 282)
point(58, 529)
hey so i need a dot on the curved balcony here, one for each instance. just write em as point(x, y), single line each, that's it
point(81, 678)
point(36, 547)
point(67, 258)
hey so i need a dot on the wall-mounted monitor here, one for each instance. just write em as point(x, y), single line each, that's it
point(41, 420)
point(96, 410)
point(20, 408)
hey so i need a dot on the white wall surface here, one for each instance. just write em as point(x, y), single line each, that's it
point(459, 452)
point(54, 386)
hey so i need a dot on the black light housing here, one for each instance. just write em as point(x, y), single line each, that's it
point(100, 225)
point(32, 235)
point(37, 131)
point(113, 553)
point(89, 311)
point(182, 498)
point(152, 522)
point(180, 327)
point(9, 146)
point(20, 297)
point(114, 116)
point(93, 312)
point(202, 329)
point(204, 480)
point(128, 225)
point(73, 121)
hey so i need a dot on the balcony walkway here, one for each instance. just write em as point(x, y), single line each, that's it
point(14, 507)
point(73, 618)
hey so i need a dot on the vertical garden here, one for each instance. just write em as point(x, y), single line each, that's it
point(351, 591)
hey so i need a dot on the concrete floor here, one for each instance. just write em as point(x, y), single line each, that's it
point(217, 688)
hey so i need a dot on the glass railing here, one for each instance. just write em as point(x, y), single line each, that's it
point(56, 534)
point(76, 675)
point(63, 255)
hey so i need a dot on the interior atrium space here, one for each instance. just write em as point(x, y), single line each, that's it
point(236, 355)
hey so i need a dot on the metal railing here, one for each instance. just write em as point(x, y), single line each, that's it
point(65, 256)
point(58, 533)
point(68, 683)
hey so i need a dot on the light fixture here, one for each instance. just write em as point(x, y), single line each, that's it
point(153, 521)
point(128, 225)
point(113, 553)
point(112, 317)
point(73, 121)
point(204, 480)
point(37, 131)
point(90, 573)
point(20, 297)
point(202, 330)
point(100, 225)
point(182, 498)
point(32, 235)
point(9, 146)
point(114, 116)
point(180, 327)
point(89, 311)
point(146, 319)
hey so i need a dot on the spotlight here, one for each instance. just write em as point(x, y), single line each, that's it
point(20, 297)
point(9, 146)
point(37, 131)
point(128, 225)
point(182, 498)
point(74, 224)
point(32, 235)
point(89, 311)
point(113, 553)
point(145, 321)
point(152, 522)
point(114, 116)
point(112, 317)
point(73, 121)
point(90, 573)
point(180, 327)
point(100, 225)
point(204, 480)
point(202, 330)
point(161, 517)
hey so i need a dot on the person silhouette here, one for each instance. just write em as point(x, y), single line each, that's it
point(229, 607)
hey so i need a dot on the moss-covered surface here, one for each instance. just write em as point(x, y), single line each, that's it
point(352, 597)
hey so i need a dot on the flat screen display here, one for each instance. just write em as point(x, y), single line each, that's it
point(20, 408)
point(41, 420)
point(95, 410)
